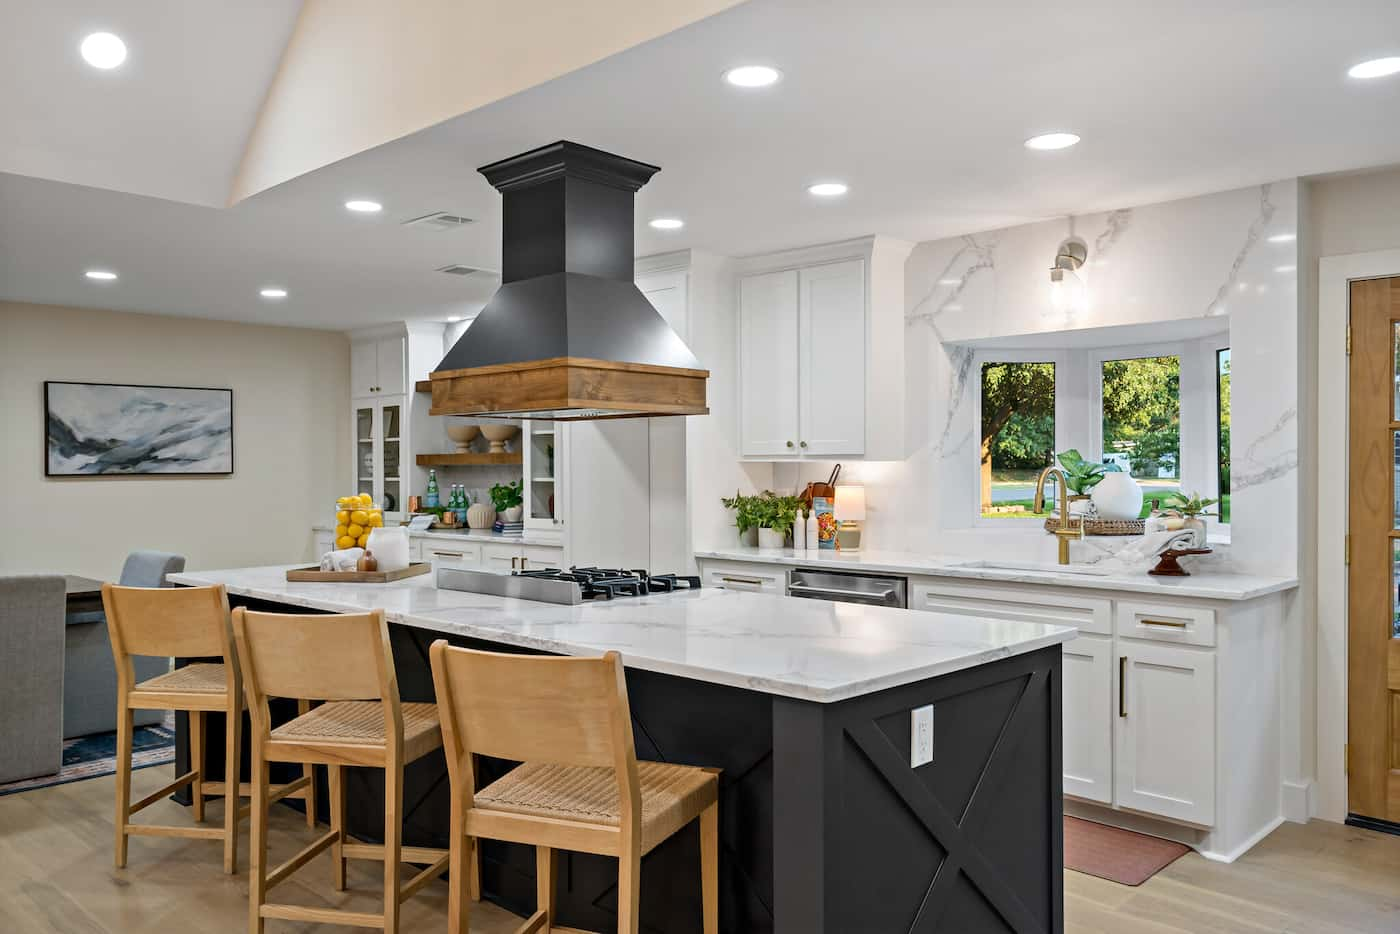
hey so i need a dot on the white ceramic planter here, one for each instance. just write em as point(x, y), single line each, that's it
point(749, 537)
point(1117, 496)
point(514, 513)
point(770, 540)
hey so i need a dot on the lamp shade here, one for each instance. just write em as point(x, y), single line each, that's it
point(850, 503)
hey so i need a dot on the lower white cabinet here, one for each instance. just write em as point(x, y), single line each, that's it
point(758, 578)
point(1164, 730)
point(452, 554)
point(1087, 713)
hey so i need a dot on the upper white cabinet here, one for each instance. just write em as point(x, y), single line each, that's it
point(821, 352)
point(378, 366)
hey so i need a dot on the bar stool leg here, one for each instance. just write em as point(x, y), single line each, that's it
point(124, 726)
point(336, 779)
point(257, 849)
point(546, 872)
point(233, 801)
point(309, 770)
point(474, 869)
point(629, 892)
point(709, 868)
point(393, 843)
point(458, 866)
point(197, 764)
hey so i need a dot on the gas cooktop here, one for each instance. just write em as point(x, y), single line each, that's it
point(572, 586)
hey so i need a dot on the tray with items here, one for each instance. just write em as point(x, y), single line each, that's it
point(316, 575)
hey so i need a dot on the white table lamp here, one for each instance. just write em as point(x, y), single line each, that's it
point(849, 510)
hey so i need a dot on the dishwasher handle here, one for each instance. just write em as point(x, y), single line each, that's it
point(800, 589)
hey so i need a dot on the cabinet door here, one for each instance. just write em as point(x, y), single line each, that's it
point(389, 355)
point(500, 557)
point(1164, 731)
point(364, 368)
point(756, 578)
point(831, 344)
point(365, 419)
point(768, 422)
point(1088, 718)
point(539, 440)
point(391, 448)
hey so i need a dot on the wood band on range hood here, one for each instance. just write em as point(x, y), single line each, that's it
point(568, 335)
point(570, 389)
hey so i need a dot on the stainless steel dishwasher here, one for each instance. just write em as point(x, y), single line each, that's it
point(845, 587)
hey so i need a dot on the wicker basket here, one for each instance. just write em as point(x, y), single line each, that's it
point(1103, 526)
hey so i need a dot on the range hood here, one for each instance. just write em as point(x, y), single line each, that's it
point(568, 335)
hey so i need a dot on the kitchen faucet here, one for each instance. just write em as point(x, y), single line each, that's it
point(1068, 527)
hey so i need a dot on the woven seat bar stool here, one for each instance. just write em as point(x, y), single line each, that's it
point(579, 787)
point(182, 622)
point(346, 662)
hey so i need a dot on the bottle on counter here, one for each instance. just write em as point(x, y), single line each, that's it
point(431, 500)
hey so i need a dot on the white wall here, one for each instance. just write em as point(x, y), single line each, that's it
point(290, 435)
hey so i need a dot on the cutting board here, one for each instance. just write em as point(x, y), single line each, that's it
point(316, 575)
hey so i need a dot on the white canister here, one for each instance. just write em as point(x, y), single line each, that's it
point(1117, 497)
point(770, 539)
point(389, 547)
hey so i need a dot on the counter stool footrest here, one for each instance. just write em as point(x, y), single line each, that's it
point(161, 830)
point(310, 852)
point(357, 919)
point(155, 796)
point(537, 923)
point(423, 878)
point(297, 789)
point(416, 855)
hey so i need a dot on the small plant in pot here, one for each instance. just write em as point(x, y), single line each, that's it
point(508, 498)
point(777, 515)
point(1190, 510)
point(1081, 477)
point(745, 516)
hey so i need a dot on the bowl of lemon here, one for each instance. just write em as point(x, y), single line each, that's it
point(355, 517)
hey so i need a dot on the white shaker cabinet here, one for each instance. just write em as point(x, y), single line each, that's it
point(377, 367)
point(768, 364)
point(1165, 730)
point(1087, 666)
point(831, 359)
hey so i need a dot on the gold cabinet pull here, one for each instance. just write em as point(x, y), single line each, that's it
point(1163, 622)
point(447, 554)
point(1122, 685)
point(743, 580)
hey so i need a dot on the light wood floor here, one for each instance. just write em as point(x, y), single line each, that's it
point(56, 877)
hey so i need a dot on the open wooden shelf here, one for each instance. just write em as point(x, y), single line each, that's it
point(471, 458)
point(423, 385)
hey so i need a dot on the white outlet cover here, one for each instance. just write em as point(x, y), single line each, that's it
point(921, 736)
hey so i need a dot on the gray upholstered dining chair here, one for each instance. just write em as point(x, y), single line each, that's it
point(90, 685)
point(31, 675)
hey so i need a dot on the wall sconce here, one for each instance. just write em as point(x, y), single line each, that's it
point(1069, 295)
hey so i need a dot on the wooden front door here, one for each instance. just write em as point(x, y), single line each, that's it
point(1373, 640)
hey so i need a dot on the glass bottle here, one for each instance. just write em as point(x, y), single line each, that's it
point(432, 497)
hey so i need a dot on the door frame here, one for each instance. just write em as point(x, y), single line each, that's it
point(1335, 275)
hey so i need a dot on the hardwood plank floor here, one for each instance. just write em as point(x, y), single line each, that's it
point(56, 877)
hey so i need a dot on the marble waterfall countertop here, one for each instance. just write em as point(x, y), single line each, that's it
point(807, 649)
point(1205, 582)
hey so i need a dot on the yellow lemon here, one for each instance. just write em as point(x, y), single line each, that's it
point(376, 521)
point(347, 500)
point(342, 517)
point(355, 530)
point(345, 541)
point(364, 540)
point(359, 516)
point(342, 530)
point(366, 499)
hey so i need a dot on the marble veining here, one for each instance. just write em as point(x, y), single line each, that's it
point(1115, 224)
point(1259, 465)
point(806, 649)
point(1256, 229)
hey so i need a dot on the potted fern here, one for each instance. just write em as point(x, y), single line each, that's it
point(776, 517)
point(745, 516)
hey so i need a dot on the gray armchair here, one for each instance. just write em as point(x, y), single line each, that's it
point(31, 675)
point(90, 688)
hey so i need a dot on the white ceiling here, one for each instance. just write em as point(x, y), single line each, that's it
point(920, 107)
point(172, 122)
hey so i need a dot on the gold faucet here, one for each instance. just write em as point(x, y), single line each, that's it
point(1068, 528)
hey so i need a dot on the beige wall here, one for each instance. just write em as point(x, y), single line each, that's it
point(290, 435)
point(1356, 213)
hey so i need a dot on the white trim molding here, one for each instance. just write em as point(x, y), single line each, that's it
point(1335, 273)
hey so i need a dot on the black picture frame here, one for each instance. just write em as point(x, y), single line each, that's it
point(49, 441)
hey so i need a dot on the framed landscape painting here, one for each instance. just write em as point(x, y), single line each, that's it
point(102, 429)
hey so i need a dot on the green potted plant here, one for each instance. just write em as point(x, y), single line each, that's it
point(745, 516)
point(1191, 509)
point(1081, 477)
point(508, 499)
point(777, 515)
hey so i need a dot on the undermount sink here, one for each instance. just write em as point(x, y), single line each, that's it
point(1036, 567)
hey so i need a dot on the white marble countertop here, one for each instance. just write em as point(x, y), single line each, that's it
point(1208, 583)
point(807, 649)
point(473, 535)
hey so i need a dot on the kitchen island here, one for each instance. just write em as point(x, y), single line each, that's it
point(807, 707)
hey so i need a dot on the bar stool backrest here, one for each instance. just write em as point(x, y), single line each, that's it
point(181, 622)
point(340, 657)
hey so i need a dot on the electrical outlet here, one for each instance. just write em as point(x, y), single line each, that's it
point(921, 736)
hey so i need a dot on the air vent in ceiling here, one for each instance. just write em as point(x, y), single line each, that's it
point(439, 221)
point(456, 269)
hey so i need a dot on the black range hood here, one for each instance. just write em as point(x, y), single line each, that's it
point(568, 335)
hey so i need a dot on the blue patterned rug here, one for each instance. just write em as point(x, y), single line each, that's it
point(96, 755)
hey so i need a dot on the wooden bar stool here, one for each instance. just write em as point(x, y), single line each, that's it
point(580, 786)
point(345, 661)
point(181, 622)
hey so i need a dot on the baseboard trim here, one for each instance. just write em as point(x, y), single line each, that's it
point(1299, 801)
point(1246, 846)
point(1372, 823)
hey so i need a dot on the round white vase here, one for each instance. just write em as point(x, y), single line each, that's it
point(770, 540)
point(1117, 497)
point(480, 516)
point(513, 514)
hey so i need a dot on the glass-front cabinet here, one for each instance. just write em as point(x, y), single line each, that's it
point(379, 445)
point(542, 443)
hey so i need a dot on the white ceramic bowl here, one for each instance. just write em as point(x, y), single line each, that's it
point(463, 436)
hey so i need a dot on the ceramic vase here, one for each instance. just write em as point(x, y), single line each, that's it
point(1117, 497)
point(390, 547)
point(513, 514)
point(748, 538)
point(481, 516)
point(770, 539)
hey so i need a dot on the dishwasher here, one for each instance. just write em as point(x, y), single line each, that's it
point(845, 587)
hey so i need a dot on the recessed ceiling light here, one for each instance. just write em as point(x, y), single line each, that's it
point(827, 189)
point(1283, 238)
point(103, 50)
point(1376, 68)
point(453, 319)
point(364, 207)
point(1052, 141)
point(273, 293)
point(100, 275)
point(667, 223)
point(1284, 268)
point(752, 76)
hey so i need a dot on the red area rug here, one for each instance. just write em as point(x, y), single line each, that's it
point(1116, 855)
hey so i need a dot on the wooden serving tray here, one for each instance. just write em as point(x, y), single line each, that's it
point(357, 577)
